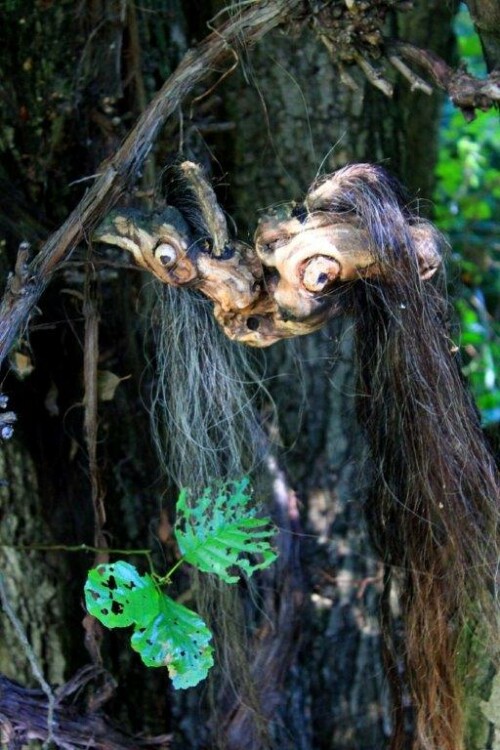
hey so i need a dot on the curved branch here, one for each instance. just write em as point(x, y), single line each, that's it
point(464, 90)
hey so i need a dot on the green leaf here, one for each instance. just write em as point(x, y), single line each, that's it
point(218, 531)
point(178, 639)
point(165, 633)
point(119, 596)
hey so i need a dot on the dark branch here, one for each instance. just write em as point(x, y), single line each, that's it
point(354, 35)
point(24, 713)
point(464, 90)
point(486, 17)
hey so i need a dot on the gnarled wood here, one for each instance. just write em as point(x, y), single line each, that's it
point(24, 713)
point(282, 287)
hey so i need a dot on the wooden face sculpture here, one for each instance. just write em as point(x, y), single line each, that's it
point(295, 277)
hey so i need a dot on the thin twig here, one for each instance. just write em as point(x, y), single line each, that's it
point(75, 548)
point(374, 76)
point(348, 80)
point(417, 83)
point(218, 82)
point(136, 72)
point(83, 548)
point(90, 362)
point(465, 91)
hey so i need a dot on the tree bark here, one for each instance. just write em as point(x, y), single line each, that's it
point(486, 17)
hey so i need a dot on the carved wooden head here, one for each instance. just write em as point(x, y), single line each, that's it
point(305, 259)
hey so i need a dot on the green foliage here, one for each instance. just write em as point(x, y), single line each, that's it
point(179, 639)
point(215, 534)
point(165, 633)
point(220, 529)
point(466, 208)
point(119, 596)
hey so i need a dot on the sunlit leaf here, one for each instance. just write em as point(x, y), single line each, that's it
point(218, 531)
point(216, 534)
point(107, 383)
point(21, 364)
point(119, 596)
point(178, 639)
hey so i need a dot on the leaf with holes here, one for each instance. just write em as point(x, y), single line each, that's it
point(119, 596)
point(220, 530)
point(178, 639)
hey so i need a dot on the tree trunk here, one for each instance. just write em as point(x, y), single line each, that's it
point(301, 122)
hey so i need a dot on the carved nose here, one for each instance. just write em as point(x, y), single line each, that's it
point(320, 272)
point(292, 304)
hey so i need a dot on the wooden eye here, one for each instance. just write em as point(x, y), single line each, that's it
point(253, 323)
point(166, 254)
point(268, 245)
point(320, 272)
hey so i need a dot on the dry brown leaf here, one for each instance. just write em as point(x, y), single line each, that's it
point(107, 383)
point(22, 364)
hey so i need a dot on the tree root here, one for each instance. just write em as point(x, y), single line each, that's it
point(24, 718)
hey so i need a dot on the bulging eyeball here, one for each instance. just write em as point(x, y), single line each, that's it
point(166, 254)
point(319, 273)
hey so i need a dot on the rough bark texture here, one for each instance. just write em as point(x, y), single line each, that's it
point(486, 17)
point(33, 590)
point(283, 118)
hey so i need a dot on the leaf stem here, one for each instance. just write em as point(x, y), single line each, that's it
point(74, 548)
point(81, 548)
point(166, 579)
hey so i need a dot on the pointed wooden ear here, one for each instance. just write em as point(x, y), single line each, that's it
point(428, 243)
point(211, 214)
